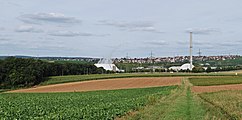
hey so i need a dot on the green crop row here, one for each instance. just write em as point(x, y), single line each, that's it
point(95, 105)
point(208, 81)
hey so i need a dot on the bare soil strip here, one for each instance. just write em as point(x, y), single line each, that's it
point(110, 84)
point(202, 89)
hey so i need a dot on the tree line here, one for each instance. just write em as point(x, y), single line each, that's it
point(19, 72)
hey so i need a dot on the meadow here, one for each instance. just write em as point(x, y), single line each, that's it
point(78, 105)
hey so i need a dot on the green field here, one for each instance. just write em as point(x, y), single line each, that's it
point(84, 105)
point(208, 81)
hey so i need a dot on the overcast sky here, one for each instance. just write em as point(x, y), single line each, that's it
point(103, 28)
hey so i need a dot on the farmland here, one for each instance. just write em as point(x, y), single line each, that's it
point(209, 81)
point(111, 84)
point(182, 105)
point(87, 105)
point(178, 101)
point(222, 94)
point(213, 84)
point(203, 89)
point(229, 102)
point(75, 78)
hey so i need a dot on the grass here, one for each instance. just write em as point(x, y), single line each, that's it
point(185, 107)
point(75, 78)
point(3, 90)
point(182, 104)
point(85, 105)
point(209, 81)
point(229, 102)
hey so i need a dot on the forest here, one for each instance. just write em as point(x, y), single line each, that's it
point(20, 72)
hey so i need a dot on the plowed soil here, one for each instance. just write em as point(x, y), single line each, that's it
point(110, 84)
point(202, 89)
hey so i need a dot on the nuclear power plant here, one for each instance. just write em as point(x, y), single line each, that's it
point(107, 63)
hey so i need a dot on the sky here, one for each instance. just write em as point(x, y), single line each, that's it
point(117, 28)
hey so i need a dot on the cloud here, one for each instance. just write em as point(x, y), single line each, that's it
point(47, 17)
point(131, 26)
point(195, 42)
point(5, 39)
point(69, 34)
point(125, 24)
point(46, 38)
point(27, 28)
point(156, 43)
point(202, 31)
point(231, 44)
point(2, 28)
point(146, 29)
point(14, 4)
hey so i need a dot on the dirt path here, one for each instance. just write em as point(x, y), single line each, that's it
point(202, 89)
point(110, 84)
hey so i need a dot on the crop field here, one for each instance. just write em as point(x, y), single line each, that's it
point(178, 101)
point(181, 105)
point(75, 78)
point(84, 105)
point(210, 81)
point(214, 84)
point(229, 102)
point(223, 94)
point(204, 89)
point(111, 84)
